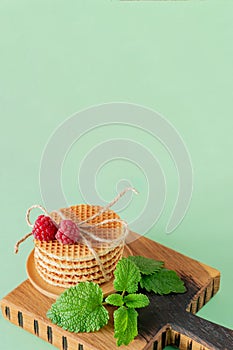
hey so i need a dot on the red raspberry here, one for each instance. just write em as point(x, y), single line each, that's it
point(63, 238)
point(44, 229)
point(68, 232)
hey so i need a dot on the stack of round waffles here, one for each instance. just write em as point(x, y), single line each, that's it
point(65, 265)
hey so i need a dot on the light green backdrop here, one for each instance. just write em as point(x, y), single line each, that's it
point(58, 57)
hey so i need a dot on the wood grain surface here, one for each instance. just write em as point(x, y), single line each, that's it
point(167, 320)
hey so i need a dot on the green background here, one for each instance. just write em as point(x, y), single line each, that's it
point(58, 57)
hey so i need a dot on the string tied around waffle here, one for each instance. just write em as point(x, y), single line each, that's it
point(92, 235)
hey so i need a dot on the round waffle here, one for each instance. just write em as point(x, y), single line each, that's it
point(64, 265)
point(79, 264)
point(67, 278)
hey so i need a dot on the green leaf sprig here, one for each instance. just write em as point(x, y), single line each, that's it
point(82, 308)
point(127, 278)
point(155, 278)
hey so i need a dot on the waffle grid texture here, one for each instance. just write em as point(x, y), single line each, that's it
point(66, 265)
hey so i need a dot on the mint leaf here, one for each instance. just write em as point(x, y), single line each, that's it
point(115, 299)
point(127, 276)
point(163, 282)
point(146, 266)
point(136, 300)
point(125, 325)
point(80, 309)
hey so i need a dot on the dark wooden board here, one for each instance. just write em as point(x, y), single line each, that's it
point(168, 320)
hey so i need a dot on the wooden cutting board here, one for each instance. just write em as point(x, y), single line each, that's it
point(168, 320)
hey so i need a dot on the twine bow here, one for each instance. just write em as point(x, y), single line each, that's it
point(89, 234)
